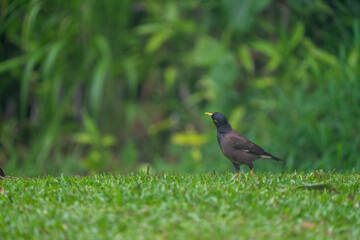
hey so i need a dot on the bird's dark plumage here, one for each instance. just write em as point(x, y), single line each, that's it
point(236, 147)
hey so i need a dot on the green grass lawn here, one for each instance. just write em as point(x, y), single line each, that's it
point(181, 206)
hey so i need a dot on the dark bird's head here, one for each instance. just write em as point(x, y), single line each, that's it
point(220, 122)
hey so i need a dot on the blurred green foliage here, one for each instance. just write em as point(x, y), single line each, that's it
point(91, 86)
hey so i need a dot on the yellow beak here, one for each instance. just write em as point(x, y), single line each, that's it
point(209, 114)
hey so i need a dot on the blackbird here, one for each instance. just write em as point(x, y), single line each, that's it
point(236, 147)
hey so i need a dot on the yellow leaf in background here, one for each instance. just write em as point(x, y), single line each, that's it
point(189, 139)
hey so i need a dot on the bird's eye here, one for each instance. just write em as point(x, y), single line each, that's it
point(215, 121)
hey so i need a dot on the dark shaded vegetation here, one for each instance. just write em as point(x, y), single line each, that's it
point(91, 86)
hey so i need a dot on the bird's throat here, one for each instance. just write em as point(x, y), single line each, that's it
point(224, 129)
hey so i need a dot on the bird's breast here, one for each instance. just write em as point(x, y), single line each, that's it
point(227, 151)
point(224, 145)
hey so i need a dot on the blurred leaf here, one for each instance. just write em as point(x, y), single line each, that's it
point(100, 72)
point(171, 12)
point(242, 14)
point(29, 25)
point(266, 48)
point(207, 51)
point(273, 64)
point(129, 154)
point(12, 63)
point(29, 68)
point(83, 138)
point(132, 76)
point(270, 50)
point(160, 126)
point(339, 150)
point(319, 54)
point(149, 28)
point(93, 160)
point(90, 126)
point(353, 59)
point(236, 116)
point(51, 57)
point(189, 139)
point(225, 71)
point(297, 35)
point(170, 77)
point(210, 88)
point(356, 30)
point(246, 59)
point(157, 40)
point(264, 82)
point(92, 136)
point(108, 140)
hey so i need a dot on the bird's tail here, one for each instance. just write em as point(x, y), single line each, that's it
point(269, 156)
point(276, 158)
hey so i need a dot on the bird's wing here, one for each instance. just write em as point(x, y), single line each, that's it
point(241, 143)
point(245, 145)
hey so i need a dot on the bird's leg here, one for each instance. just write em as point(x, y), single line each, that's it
point(236, 176)
point(237, 168)
point(252, 170)
point(252, 173)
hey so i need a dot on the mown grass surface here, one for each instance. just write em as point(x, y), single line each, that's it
point(181, 206)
